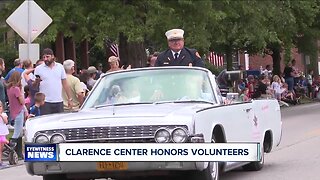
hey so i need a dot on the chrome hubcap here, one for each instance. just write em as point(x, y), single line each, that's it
point(214, 170)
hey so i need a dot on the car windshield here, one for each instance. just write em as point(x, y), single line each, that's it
point(152, 86)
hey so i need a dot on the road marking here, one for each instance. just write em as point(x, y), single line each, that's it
point(312, 133)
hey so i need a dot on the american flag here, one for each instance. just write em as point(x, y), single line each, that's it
point(113, 47)
point(215, 59)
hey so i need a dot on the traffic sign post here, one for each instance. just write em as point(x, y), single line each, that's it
point(29, 51)
point(31, 26)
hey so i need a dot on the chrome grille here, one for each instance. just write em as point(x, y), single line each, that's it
point(111, 133)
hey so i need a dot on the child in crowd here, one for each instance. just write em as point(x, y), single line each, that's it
point(244, 95)
point(27, 96)
point(3, 130)
point(39, 101)
point(251, 85)
point(309, 83)
point(276, 86)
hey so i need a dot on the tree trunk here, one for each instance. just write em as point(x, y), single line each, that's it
point(276, 57)
point(131, 53)
point(60, 47)
point(70, 49)
point(84, 54)
point(229, 57)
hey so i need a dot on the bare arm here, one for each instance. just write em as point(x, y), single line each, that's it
point(68, 92)
point(80, 97)
point(66, 87)
point(21, 99)
point(26, 74)
point(4, 118)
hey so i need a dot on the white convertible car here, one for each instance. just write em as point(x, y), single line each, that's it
point(164, 105)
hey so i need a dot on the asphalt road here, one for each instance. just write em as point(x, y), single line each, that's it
point(297, 157)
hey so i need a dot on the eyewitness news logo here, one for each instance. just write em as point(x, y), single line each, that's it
point(143, 152)
point(41, 152)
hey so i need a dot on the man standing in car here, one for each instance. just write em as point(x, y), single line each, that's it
point(177, 54)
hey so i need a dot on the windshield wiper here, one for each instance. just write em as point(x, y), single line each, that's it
point(184, 101)
point(120, 104)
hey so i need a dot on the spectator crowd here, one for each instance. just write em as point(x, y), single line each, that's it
point(288, 88)
point(46, 87)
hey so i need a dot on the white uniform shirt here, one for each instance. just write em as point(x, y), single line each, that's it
point(51, 84)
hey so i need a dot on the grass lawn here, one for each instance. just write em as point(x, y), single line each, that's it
point(10, 134)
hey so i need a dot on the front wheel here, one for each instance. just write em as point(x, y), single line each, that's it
point(255, 166)
point(210, 173)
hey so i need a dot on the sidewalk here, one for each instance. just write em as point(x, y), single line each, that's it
point(7, 165)
point(5, 160)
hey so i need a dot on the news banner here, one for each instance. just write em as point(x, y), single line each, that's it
point(133, 152)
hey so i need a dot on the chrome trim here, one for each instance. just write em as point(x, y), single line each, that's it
point(41, 134)
point(101, 139)
point(185, 130)
point(63, 136)
point(162, 128)
point(105, 133)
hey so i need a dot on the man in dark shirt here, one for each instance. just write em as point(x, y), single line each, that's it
point(288, 76)
point(177, 54)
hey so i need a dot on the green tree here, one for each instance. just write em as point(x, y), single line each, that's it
point(287, 20)
point(240, 27)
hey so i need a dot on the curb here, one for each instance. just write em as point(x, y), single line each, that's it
point(304, 103)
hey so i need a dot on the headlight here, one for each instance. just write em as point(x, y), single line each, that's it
point(179, 135)
point(56, 138)
point(162, 135)
point(41, 139)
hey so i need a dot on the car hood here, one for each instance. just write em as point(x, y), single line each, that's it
point(124, 115)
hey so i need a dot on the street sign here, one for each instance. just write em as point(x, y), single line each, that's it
point(33, 52)
point(20, 19)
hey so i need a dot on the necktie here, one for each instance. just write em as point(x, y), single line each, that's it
point(176, 55)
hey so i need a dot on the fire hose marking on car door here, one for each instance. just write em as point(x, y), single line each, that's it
point(255, 120)
point(255, 129)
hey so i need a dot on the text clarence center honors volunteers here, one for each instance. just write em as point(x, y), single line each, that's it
point(144, 152)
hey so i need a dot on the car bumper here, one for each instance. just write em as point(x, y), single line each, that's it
point(89, 169)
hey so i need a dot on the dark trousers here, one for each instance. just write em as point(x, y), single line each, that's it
point(50, 108)
point(290, 82)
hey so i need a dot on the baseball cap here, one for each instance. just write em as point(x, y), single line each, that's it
point(92, 69)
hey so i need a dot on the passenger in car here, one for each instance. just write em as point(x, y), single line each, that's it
point(115, 95)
